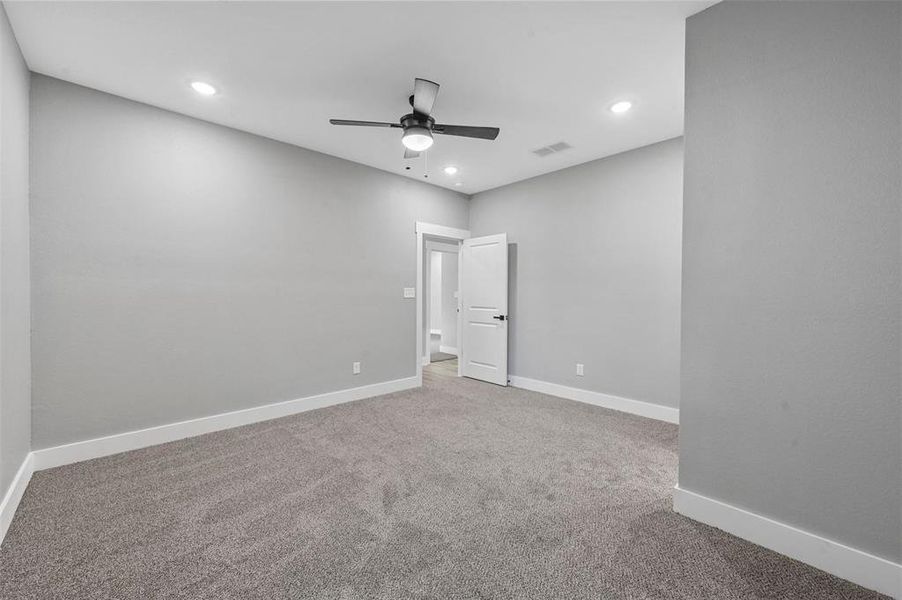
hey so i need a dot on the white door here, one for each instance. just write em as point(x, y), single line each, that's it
point(483, 291)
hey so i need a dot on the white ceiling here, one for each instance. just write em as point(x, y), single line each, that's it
point(542, 72)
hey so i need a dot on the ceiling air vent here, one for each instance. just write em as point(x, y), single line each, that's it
point(546, 150)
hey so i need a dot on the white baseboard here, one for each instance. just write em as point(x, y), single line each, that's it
point(636, 407)
point(14, 494)
point(56, 456)
point(448, 350)
point(853, 565)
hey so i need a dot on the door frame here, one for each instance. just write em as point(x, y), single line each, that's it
point(439, 233)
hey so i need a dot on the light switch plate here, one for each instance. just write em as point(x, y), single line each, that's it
point(356, 368)
point(579, 369)
point(410, 292)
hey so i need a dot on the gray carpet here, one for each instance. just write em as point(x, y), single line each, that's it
point(459, 490)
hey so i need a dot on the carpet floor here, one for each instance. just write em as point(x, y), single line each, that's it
point(458, 490)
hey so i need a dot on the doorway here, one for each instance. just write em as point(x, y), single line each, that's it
point(441, 301)
point(439, 238)
point(475, 332)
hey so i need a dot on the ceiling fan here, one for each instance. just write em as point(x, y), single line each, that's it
point(419, 125)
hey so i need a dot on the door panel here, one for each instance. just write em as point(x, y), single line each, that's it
point(483, 290)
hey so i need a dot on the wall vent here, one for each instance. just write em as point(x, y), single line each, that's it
point(546, 150)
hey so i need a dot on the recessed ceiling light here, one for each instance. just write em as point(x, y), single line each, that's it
point(450, 170)
point(203, 88)
point(458, 184)
point(621, 107)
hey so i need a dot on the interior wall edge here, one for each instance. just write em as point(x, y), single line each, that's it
point(15, 274)
point(791, 266)
point(14, 494)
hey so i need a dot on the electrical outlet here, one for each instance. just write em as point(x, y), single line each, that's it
point(356, 368)
point(579, 369)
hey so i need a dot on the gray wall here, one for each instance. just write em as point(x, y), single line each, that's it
point(449, 301)
point(183, 269)
point(435, 291)
point(791, 266)
point(15, 316)
point(596, 275)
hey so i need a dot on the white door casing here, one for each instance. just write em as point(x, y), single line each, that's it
point(430, 231)
point(484, 316)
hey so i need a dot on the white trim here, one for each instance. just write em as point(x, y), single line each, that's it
point(431, 230)
point(433, 245)
point(132, 440)
point(460, 324)
point(14, 494)
point(442, 231)
point(448, 349)
point(636, 407)
point(421, 306)
point(859, 567)
point(435, 332)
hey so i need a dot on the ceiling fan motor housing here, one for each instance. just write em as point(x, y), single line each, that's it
point(417, 120)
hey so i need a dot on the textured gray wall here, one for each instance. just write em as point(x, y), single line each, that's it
point(15, 311)
point(449, 301)
point(182, 269)
point(597, 272)
point(435, 291)
point(791, 266)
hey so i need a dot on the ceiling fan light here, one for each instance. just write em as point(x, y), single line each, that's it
point(417, 139)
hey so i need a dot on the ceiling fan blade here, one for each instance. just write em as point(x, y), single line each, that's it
point(485, 133)
point(424, 93)
point(363, 123)
point(411, 154)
